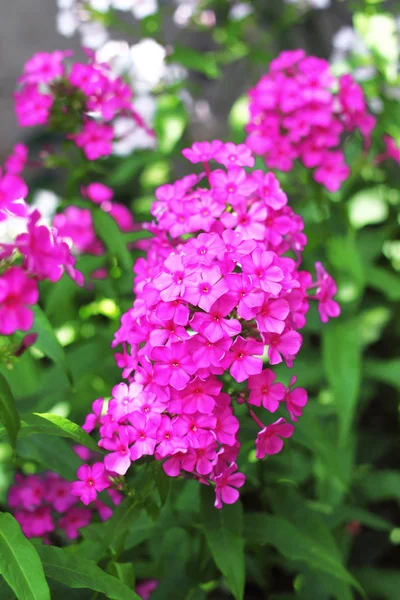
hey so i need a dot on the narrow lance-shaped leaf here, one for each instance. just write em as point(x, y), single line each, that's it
point(19, 562)
point(64, 428)
point(47, 341)
point(224, 534)
point(78, 572)
point(8, 411)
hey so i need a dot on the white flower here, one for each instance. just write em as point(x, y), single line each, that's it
point(100, 5)
point(240, 11)
point(46, 202)
point(143, 8)
point(131, 135)
point(148, 65)
point(94, 35)
point(66, 23)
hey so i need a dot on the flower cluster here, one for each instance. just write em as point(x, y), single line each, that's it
point(392, 150)
point(82, 101)
point(295, 114)
point(219, 294)
point(45, 504)
point(36, 254)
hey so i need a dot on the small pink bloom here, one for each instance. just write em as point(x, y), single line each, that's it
point(243, 355)
point(92, 480)
point(226, 485)
point(17, 292)
point(264, 391)
point(269, 439)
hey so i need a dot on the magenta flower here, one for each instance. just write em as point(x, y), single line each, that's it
point(17, 292)
point(92, 480)
point(214, 326)
point(226, 485)
point(247, 297)
point(270, 189)
point(207, 354)
point(205, 288)
point(199, 396)
point(143, 434)
point(93, 419)
point(201, 454)
point(202, 151)
point(172, 283)
point(232, 155)
point(285, 344)
point(173, 465)
point(95, 139)
point(170, 437)
point(98, 192)
point(243, 355)
point(272, 315)
point(264, 391)
point(231, 186)
point(119, 459)
point(173, 365)
point(269, 439)
point(226, 426)
point(13, 190)
point(295, 399)
point(74, 520)
point(326, 289)
point(259, 266)
point(58, 493)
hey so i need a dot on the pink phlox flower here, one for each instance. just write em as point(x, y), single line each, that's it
point(122, 401)
point(227, 425)
point(203, 211)
point(196, 423)
point(44, 67)
point(35, 523)
point(170, 437)
point(272, 315)
point(269, 189)
point(173, 280)
point(201, 454)
point(247, 297)
point(95, 139)
point(173, 365)
point(16, 161)
point(204, 287)
point(226, 485)
point(119, 459)
point(32, 107)
point(231, 186)
point(235, 246)
point(262, 270)
point(93, 419)
point(251, 223)
point(264, 391)
point(144, 589)
point(332, 171)
point(234, 155)
point(203, 249)
point(207, 354)
point(76, 518)
point(325, 291)
point(286, 344)
point(92, 480)
point(202, 151)
point(213, 325)
point(105, 512)
point(173, 465)
point(295, 399)
point(176, 311)
point(58, 493)
point(245, 356)
point(199, 396)
point(13, 190)
point(17, 292)
point(144, 434)
point(144, 375)
point(98, 192)
point(168, 332)
point(27, 492)
point(392, 149)
point(269, 439)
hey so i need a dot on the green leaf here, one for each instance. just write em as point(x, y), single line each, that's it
point(380, 583)
point(163, 485)
point(124, 572)
point(112, 236)
point(19, 562)
point(8, 411)
point(223, 530)
point(170, 122)
point(56, 425)
point(204, 62)
point(341, 353)
point(117, 528)
point(47, 341)
point(384, 281)
point(345, 256)
point(381, 485)
point(387, 371)
point(296, 545)
point(54, 454)
point(78, 572)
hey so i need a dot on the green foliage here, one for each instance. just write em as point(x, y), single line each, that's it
point(20, 564)
point(8, 411)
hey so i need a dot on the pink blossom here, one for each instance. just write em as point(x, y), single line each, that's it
point(205, 288)
point(260, 267)
point(202, 151)
point(94, 418)
point(173, 365)
point(269, 439)
point(213, 325)
point(17, 292)
point(74, 520)
point(272, 314)
point(232, 155)
point(201, 454)
point(95, 139)
point(144, 589)
point(13, 190)
point(143, 434)
point(119, 459)
point(246, 295)
point(264, 391)
point(286, 344)
point(170, 438)
point(325, 291)
point(92, 480)
point(243, 356)
point(231, 186)
point(226, 485)
point(98, 192)
point(32, 107)
point(295, 399)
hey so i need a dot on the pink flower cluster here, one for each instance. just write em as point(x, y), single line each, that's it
point(219, 296)
point(295, 113)
point(392, 150)
point(45, 504)
point(82, 100)
point(39, 253)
